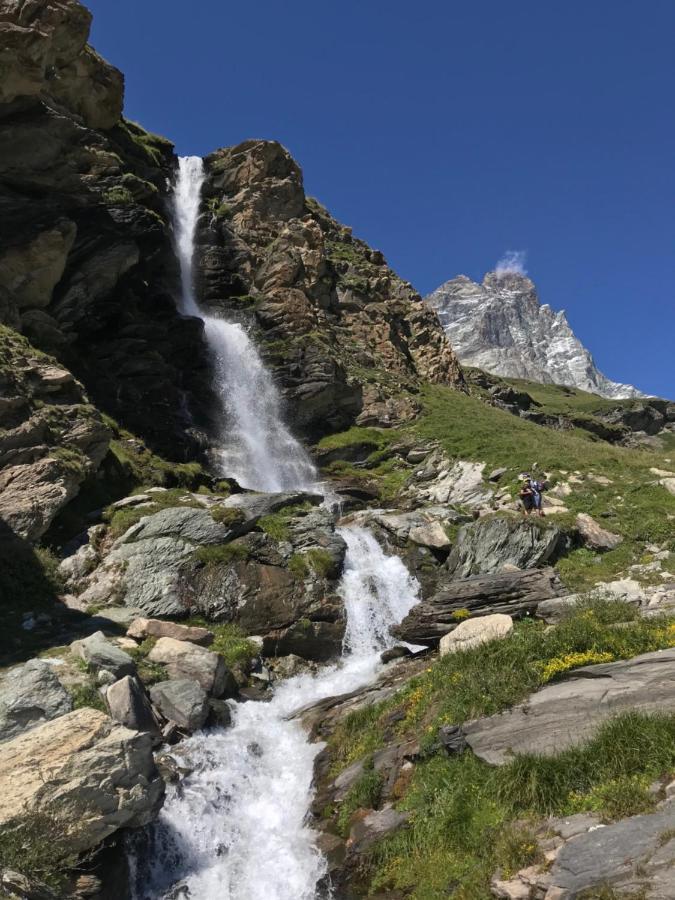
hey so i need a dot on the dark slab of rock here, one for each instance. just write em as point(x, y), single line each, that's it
point(513, 593)
point(487, 545)
point(564, 714)
point(182, 701)
point(29, 695)
point(128, 704)
point(98, 653)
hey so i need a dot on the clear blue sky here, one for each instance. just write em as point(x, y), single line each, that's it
point(446, 132)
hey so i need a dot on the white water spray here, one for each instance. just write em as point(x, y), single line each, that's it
point(256, 448)
point(235, 828)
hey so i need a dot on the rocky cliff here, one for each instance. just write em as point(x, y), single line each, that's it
point(345, 336)
point(499, 325)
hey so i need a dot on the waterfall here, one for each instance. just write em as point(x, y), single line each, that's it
point(235, 827)
point(255, 446)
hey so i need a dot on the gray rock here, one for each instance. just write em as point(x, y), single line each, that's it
point(614, 854)
point(98, 776)
point(220, 714)
point(142, 628)
point(29, 695)
point(256, 505)
point(375, 826)
point(513, 593)
point(99, 653)
point(496, 474)
point(181, 701)
point(451, 738)
point(474, 632)
point(566, 713)
point(487, 545)
point(185, 660)
point(128, 704)
point(594, 536)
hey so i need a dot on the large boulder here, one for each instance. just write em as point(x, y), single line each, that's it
point(100, 654)
point(30, 694)
point(511, 593)
point(182, 701)
point(491, 543)
point(474, 632)
point(564, 714)
point(595, 536)
point(185, 660)
point(93, 775)
point(128, 704)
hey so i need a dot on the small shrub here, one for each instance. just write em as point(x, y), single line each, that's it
point(221, 554)
point(39, 847)
point(118, 196)
point(460, 614)
point(229, 516)
point(516, 847)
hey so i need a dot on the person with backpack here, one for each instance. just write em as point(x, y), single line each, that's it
point(527, 495)
point(538, 487)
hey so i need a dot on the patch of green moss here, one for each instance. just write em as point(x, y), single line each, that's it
point(221, 554)
point(314, 560)
point(229, 516)
point(39, 846)
point(118, 196)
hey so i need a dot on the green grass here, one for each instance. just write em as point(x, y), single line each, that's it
point(375, 438)
point(87, 695)
point(487, 679)
point(469, 819)
point(229, 641)
point(315, 560)
point(221, 554)
point(227, 516)
point(39, 847)
point(120, 520)
point(365, 793)
point(118, 196)
point(278, 525)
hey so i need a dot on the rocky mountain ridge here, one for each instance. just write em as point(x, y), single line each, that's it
point(500, 326)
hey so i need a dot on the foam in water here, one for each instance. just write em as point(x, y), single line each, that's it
point(235, 828)
point(255, 447)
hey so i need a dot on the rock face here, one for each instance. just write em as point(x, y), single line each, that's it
point(93, 775)
point(615, 854)
point(86, 264)
point(509, 593)
point(30, 694)
point(490, 544)
point(51, 438)
point(565, 714)
point(99, 654)
point(344, 335)
point(500, 326)
point(129, 706)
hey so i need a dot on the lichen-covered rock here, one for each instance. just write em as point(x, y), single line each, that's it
point(129, 706)
point(143, 628)
point(29, 695)
point(595, 536)
point(95, 775)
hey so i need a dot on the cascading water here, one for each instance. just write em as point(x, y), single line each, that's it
point(256, 448)
point(235, 827)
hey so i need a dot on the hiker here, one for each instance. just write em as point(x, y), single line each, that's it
point(538, 487)
point(527, 495)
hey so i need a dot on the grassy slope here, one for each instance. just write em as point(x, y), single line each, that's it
point(464, 813)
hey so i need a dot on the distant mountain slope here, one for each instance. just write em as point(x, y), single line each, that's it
point(501, 327)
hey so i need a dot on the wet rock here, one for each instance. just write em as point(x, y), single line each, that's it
point(594, 536)
point(489, 544)
point(182, 701)
point(143, 628)
point(185, 660)
point(564, 714)
point(29, 695)
point(97, 775)
point(474, 632)
point(393, 653)
point(512, 593)
point(220, 714)
point(129, 706)
point(97, 651)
